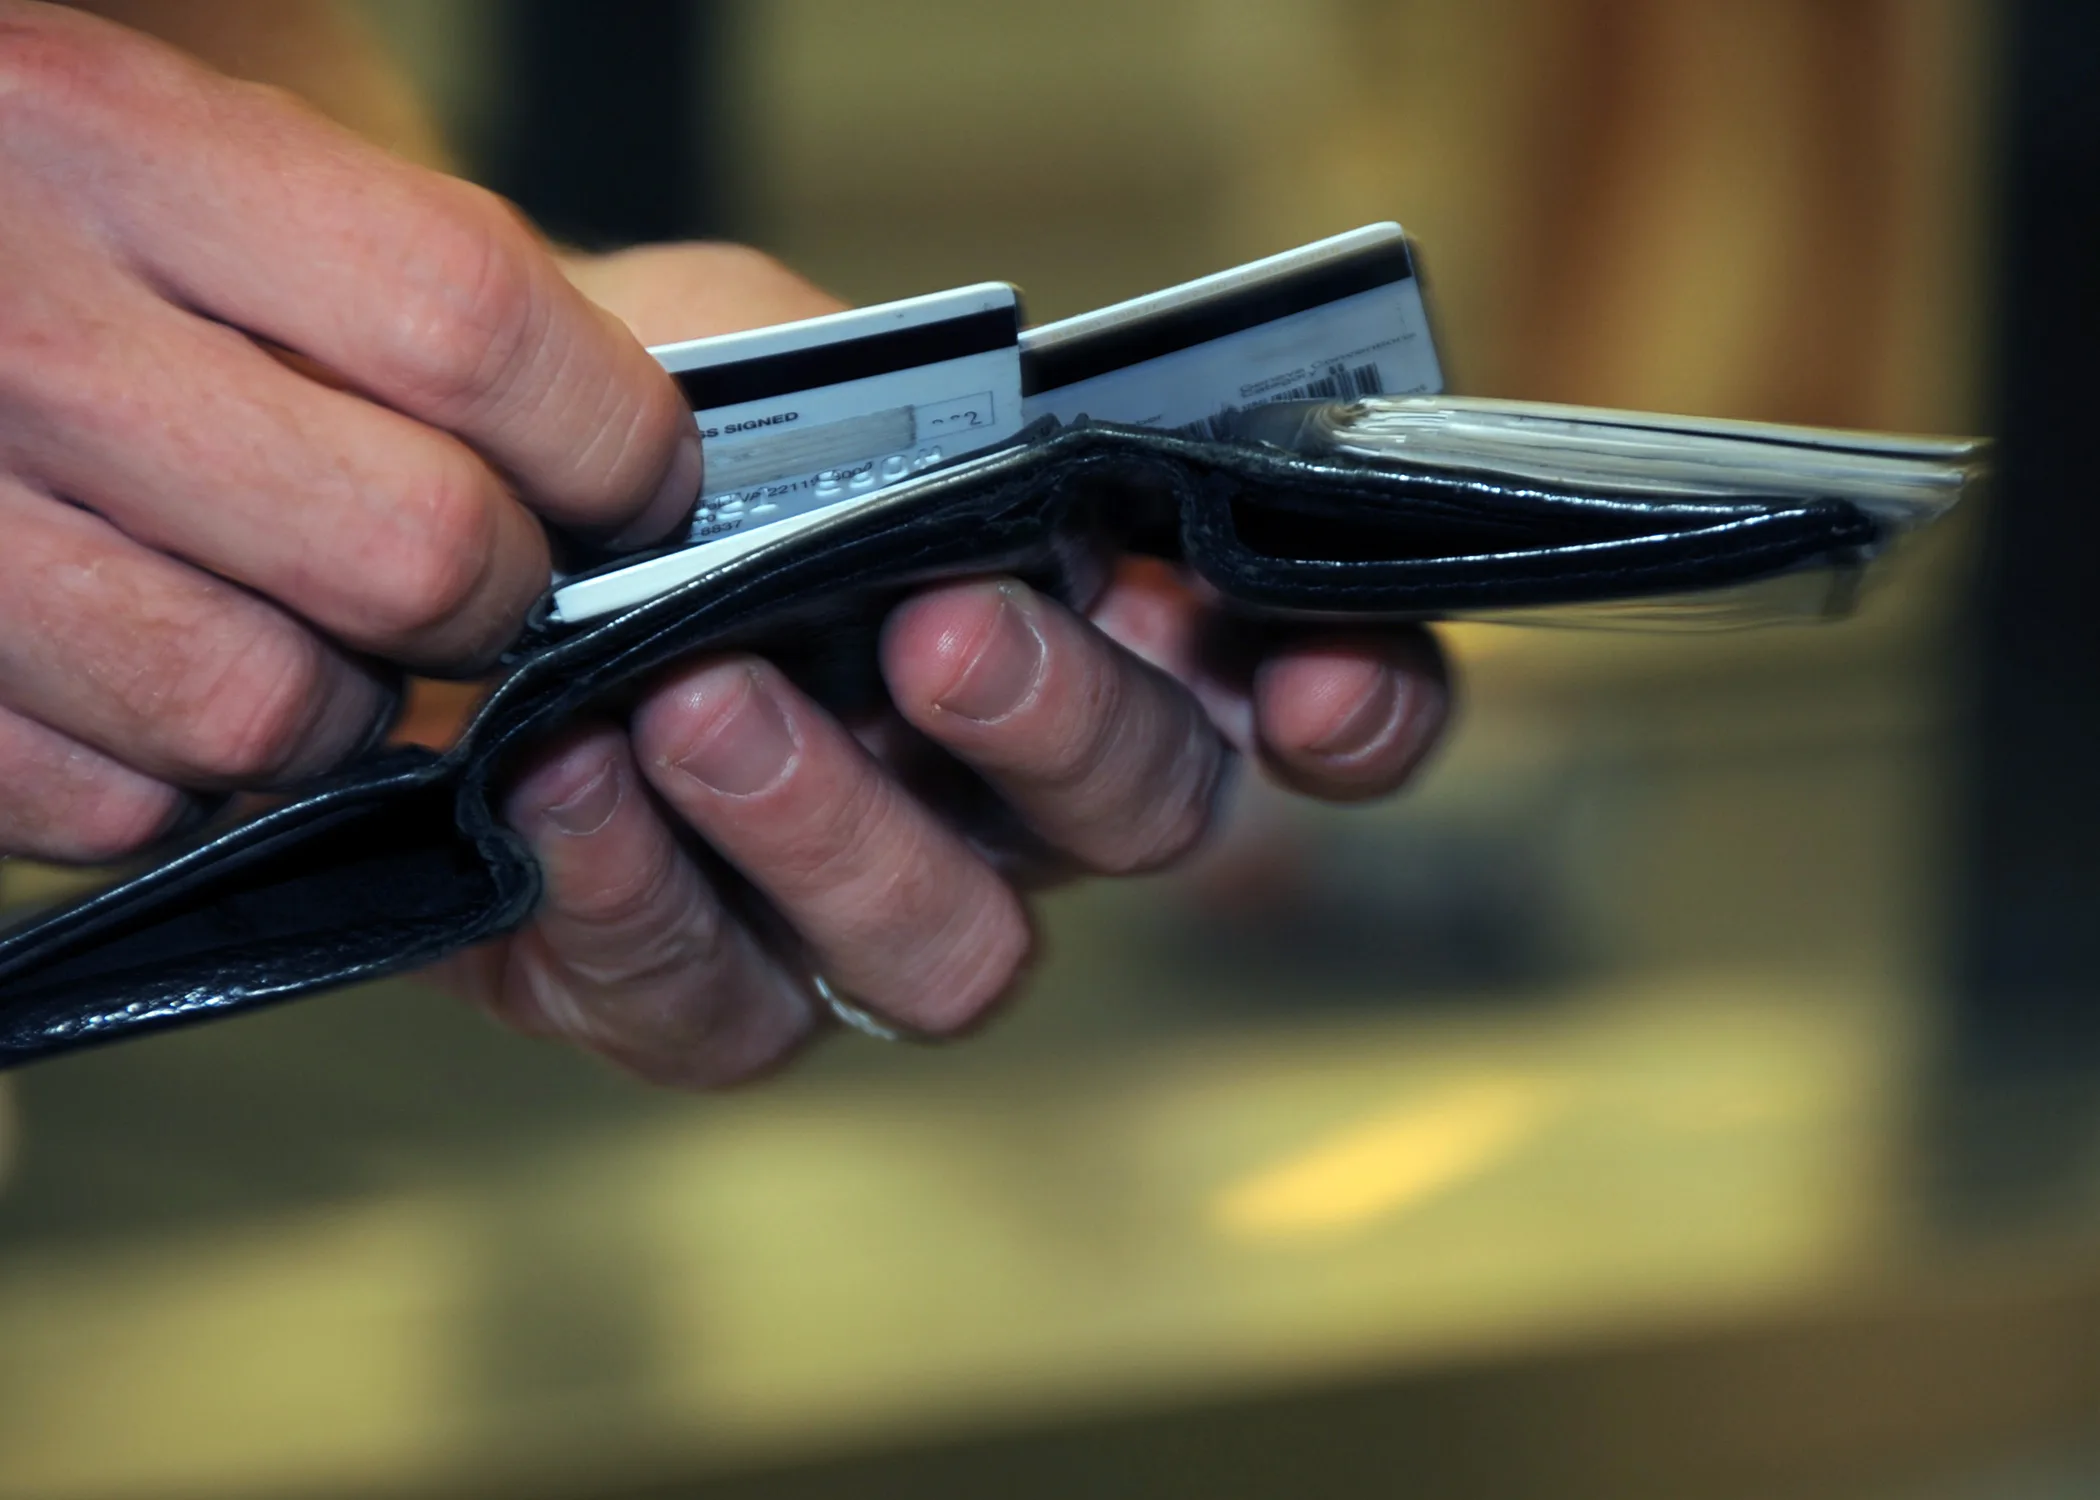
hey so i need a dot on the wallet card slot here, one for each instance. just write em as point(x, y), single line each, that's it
point(1312, 544)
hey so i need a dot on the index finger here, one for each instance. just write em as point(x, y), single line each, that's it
point(423, 292)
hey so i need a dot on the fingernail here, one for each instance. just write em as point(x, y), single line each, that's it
point(750, 746)
point(1004, 672)
point(591, 808)
point(673, 501)
point(1370, 723)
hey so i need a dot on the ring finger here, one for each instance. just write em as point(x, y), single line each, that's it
point(66, 802)
point(175, 673)
point(632, 953)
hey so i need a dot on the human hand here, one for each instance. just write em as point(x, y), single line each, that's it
point(277, 410)
point(882, 862)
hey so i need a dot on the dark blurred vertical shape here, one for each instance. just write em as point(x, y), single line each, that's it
point(613, 118)
point(2026, 1040)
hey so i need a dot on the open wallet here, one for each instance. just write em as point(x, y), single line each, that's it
point(1385, 508)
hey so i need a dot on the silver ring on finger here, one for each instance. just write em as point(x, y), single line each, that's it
point(857, 1017)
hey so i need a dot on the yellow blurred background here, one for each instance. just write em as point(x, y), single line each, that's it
point(1564, 1128)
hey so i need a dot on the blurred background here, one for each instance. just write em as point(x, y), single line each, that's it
point(1686, 1091)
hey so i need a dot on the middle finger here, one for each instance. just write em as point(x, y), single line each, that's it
point(1107, 757)
point(169, 670)
point(389, 535)
point(894, 907)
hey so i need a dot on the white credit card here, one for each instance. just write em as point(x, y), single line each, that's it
point(816, 415)
point(1336, 319)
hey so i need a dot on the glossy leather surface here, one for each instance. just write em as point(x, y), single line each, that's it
point(400, 860)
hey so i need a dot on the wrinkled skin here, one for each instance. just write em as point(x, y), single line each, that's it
point(282, 415)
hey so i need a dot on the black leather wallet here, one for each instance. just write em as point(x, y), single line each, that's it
point(400, 860)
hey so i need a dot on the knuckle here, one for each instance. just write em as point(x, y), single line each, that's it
point(268, 101)
point(918, 923)
point(707, 1063)
point(731, 258)
point(646, 917)
point(1173, 812)
point(49, 379)
point(470, 305)
point(832, 842)
point(631, 429)
point(717, 1036)
point(249, 717)
point(117, 820)
point(976, 964)
point(108, 819)
point(1083, 740)
point(661, 947)
point(764, 281)
point(1169, 839)
point(436, 565)
point(61, 802)
point(689, 1003)
point(1128, 771)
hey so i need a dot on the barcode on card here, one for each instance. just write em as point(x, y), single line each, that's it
point(1337, 382)
point(1340, 319)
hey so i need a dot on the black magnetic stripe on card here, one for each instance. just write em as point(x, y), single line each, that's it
point(850, 359)
point(1151, 335)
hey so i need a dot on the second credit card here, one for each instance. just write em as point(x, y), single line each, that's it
point(1333, 320)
